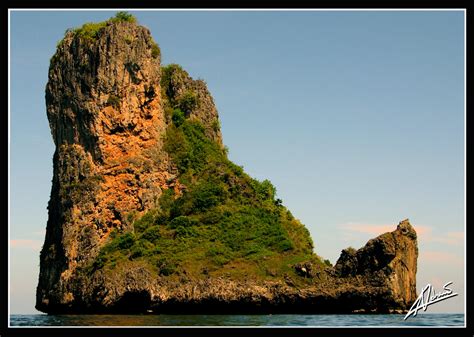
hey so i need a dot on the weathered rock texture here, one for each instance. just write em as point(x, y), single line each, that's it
point(179, 86)
point(107, 114)
point(107, 120)
point(388, 262)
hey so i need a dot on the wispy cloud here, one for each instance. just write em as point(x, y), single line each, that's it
point(26, 243)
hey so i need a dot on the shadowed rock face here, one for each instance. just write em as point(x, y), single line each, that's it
point(388, 261)
point(107, 113)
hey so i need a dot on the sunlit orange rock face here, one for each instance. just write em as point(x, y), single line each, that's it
point(106, 116)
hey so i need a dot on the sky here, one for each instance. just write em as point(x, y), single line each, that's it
point(357, 118)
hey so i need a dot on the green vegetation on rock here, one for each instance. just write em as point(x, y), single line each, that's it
point(123, 17)
point(90, 30)
point(155, 50)
point(166, 79)
point(223, 222)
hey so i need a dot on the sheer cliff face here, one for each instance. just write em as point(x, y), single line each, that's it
point(128, 132)
point(106, 114)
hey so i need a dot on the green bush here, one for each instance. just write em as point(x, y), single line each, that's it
point(142, 248)
point(202, 197)
point(136, 252)
point(90, 31)
point(166, 266)
point(152, 234)
point(185, 231)
point(178, 117)
point(284, 245)
point(212, 217)
point(123, 17)
point(155, 50)
point(265, 189)
point(125, 241)
point(187, 102)
point(207, 195)
point(181, 221)
point(166, 201)
point(147, 220)
point(166, 76)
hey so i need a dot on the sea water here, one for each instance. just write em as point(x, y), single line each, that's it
point(424, 319)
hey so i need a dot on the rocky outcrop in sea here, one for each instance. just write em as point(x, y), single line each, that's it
point(148, 215)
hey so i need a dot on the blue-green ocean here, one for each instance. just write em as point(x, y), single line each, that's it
point(424, 319)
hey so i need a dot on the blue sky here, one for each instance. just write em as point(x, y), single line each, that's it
point(357, 117)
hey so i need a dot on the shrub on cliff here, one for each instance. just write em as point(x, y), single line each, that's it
point(155, 50)
point(189, 147)
point(151, 234)
point(144, 222)
point(90, 30)
point(187, 102)
point(178, 117)
point(166, 74)
point(123, 17)
point(181, 221)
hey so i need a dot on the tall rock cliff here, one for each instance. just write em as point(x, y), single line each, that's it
point(148, 214)
point(107, 119)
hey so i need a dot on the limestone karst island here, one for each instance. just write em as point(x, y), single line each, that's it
point(148, 215)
